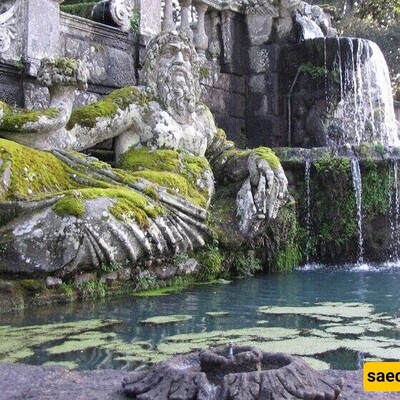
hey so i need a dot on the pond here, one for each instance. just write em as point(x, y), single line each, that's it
point(334, 317)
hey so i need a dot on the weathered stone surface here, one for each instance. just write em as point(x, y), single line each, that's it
point(238, 372)
point(51, 382)
point(53, 283)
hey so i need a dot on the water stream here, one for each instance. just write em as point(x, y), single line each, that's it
point(356, 173)
point(394, 204)
point(307, 178)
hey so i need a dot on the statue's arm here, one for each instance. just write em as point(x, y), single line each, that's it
point(61, 127)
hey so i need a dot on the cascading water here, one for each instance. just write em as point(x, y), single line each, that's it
point(394, 203)
point(307, 178)
point(355, 169)
point(365, 110)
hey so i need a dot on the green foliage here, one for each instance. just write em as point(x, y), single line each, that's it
point(320, 71)
point(110, 267)
point(375, 190)
point(329, 164)
point(147, 281)
point(210, 259)
point(335, 223)
point(135, 21)
point(244, 263)
point(83, 10)
point(286, 247)
point(94, 289)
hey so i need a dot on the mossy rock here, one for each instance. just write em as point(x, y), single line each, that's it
point(175, 170)
point(14, 119)
point(119, 99)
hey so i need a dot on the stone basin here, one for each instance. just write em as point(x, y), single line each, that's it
point(232, 372)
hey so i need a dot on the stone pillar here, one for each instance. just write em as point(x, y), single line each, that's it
point(150, 17)
point(168, 23)
point(214, 46)
point(227, 37)
point(185, 15)
point(42, 31)
point(201, 39)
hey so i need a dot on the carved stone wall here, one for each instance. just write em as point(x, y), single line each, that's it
point(109, 54)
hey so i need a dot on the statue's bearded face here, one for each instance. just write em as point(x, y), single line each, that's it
point(175, 83)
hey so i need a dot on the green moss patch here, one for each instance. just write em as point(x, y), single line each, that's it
point(175, 170)
point(14, 119)
point(119, 99)
point(166, 319)
point(267, 154)
point(70, 206)
point(34, 172)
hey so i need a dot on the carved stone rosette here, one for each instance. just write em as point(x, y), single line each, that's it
point(116, 13)
point(7, 26)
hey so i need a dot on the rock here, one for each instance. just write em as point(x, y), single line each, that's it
point(53, 283)
point(81, 280)
point(188, 267)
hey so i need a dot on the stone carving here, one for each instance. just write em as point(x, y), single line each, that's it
point(7, 26)
point(115, 13)
point(238, 372)
point(76, 212)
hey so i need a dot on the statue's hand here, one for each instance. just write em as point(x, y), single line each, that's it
point(261, 195)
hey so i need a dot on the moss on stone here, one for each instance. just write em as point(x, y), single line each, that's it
point(267, 154)
point(34, 172)
point(70, 206)
point(119, 99)
point(14, 119)
point(147, 159)
point(177, 171)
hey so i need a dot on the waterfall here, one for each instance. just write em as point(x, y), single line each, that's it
point(365, 111)
point(394, 203)
point(355, 169)
point(307, 176)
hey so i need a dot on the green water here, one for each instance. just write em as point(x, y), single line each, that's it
point(354, 317)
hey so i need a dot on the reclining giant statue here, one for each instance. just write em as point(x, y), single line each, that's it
point(63, 211)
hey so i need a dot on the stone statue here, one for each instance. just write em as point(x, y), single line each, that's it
point(63, 211)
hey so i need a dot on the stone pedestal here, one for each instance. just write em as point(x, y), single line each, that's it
point(41, 21)
point(150, 16)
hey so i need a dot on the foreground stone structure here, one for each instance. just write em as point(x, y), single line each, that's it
point(237, 372)
point(105, 216)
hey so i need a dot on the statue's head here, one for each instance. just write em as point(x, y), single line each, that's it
point(171, 70)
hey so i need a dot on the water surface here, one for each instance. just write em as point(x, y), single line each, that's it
point(374, 286)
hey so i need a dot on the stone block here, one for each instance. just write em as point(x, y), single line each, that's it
point(42, 31)
point(259, 28)
point(263, 58)
point(235, 104)
point(109, 54)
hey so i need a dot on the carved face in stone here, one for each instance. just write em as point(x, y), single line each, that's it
point(171, 71)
